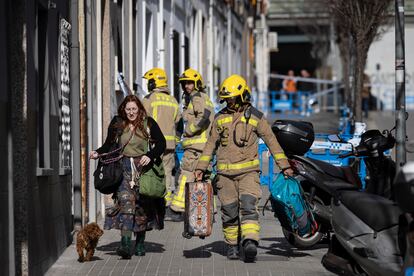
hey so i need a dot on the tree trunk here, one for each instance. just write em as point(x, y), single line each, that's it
point(344, 53)
point(361, 58)
point(352, 74)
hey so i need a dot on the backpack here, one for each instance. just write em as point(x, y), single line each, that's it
point(289, 206)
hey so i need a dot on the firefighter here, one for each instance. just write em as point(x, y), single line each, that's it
point(198, 114)
point(234, 136)
point(164, 110)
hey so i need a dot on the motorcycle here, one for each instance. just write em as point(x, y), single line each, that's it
point(370, 228)
point(321, 181)
point(404, 196)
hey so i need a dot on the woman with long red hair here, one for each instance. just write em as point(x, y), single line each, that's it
point(134, 212)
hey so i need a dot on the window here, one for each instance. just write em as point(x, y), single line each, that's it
point(176, 63)
point(43, 99)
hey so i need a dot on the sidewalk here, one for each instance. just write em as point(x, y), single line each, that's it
point(168, 253)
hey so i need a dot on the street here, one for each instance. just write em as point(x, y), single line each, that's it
point(168, 253)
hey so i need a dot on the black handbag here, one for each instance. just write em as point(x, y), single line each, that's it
point(109, 173)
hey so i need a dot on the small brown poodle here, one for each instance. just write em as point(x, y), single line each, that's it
point(87, 239)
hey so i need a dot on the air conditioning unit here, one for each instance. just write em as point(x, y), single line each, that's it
point(272, 42)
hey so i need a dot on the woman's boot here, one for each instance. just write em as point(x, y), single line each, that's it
point(125, 249)
point(139, 245)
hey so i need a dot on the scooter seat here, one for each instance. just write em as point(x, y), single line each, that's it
point(377, 212)
point(344, 173)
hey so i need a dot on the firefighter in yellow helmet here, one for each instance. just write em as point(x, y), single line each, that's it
point(198, 114)
point(164, 109)
point(234, 136)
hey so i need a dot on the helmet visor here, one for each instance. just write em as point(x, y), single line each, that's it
point(224, 93)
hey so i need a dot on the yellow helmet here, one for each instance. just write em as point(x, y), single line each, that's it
point(156, 78)
point(192, 75)
point(235, 86)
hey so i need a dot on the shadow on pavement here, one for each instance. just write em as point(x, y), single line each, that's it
point(283, 243)
point(94, 258)
point(205, 251)
point(150, 247)
point(283, 248)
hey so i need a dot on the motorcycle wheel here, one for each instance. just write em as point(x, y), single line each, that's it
point(302, 242)
point(305, 242)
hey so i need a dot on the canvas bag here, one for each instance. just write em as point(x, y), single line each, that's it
point(289, 205)
point(152, 180)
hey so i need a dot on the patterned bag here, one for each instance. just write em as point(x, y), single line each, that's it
point(199, 212)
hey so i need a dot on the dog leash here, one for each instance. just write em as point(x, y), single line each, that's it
point(117, 158)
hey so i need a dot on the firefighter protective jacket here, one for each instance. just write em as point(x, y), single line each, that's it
point(163, 108)
point(236, 136)
point(198, 116)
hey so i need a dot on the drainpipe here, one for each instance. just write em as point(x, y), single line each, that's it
point(99, 80)
point(229, 50)
point(171, 46)
point(75, 119)
point(160, 36)
point(82, 111)
point(210, 39)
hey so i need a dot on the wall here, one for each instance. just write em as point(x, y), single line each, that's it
point(381, 53)
point(50, 220)
point(5, 169)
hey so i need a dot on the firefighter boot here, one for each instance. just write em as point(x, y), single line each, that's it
point(233, 252)
point(249, 250)
point(125, 249)
point(172, 215)
point(139, 244)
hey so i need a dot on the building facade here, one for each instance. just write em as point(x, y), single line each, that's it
point(36, 186)
point(59, 66)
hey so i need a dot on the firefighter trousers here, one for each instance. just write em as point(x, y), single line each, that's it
point(239, 196)
point(168, 160)
point(187, 167)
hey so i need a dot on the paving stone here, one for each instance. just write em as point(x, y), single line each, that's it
point(168, 253)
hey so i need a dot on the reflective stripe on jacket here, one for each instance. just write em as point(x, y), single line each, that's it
point(237, 140)
point(163, 107)
point(198, 116)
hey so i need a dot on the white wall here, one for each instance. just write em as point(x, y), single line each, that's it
point(382, 52)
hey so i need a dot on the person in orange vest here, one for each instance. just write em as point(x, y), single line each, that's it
point(289, 84)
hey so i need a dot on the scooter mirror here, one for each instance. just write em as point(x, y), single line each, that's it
point(334, 138)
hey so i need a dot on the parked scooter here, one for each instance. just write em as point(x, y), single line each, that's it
point(404, 195)
point(370, 234)
point(322, 181)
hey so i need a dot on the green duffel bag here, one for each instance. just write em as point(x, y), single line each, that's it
point(152, 180)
